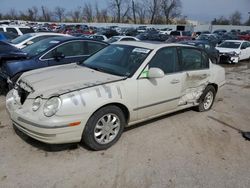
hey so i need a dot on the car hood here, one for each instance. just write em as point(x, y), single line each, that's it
point(227, 50)
point(58, 80)
point(13, 55)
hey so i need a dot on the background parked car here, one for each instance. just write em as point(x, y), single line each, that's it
point(122, 38)
point(211, 38)
point(8, 52)
point(51, 52)
point(93, 101)
point(181, 35)
point(19, 30)
point(233, 51)
point(212, 52)
point(30, 38)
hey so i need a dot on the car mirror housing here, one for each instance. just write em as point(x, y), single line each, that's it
point(155, 73)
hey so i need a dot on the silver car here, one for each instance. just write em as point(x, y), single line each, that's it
point(121, 85)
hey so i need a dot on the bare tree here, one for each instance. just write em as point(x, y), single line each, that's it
point(88, 12)
point(235, 18)
point(120, 9)
point(35, 12)
point(153, 9)
point(76, 14)
point(59, 12)
point(141, 12)
point(171, 9)
point(104, 15)
point(46, 14)
point(134, 11)
point(13, 14)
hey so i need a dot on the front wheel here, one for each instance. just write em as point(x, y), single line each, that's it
point(104, 128)
point(207, 99)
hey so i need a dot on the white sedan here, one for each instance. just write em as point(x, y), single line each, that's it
point(30, 38)
point(121, 38)
point(233, 51)
point(121, 85)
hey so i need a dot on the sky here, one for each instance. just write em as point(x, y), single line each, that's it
point(201, 10)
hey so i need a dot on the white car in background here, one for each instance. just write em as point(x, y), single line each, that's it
point(121, 85)
point(30, 38)
point(233, 51)
point(98, 37)
point(121, 38)
point(19, 30)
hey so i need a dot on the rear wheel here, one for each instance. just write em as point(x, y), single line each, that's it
point(104, 128)
point(207, 99)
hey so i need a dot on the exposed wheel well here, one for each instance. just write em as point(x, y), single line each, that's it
point(122, 107)
point(215, 86)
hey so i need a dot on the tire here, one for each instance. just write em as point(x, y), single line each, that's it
point(100, 126)
point(207, 99)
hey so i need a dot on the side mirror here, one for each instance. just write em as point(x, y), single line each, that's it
point(243, 47)
point(155, 73)
point(58, 56)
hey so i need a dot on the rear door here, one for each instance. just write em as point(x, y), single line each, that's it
point(195, 65)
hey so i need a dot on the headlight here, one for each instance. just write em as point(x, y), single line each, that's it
point(51, 106)
point(36, 104)
point(233, 54)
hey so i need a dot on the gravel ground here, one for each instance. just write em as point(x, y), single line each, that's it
point(184, 149)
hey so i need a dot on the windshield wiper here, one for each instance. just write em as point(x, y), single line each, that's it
point(105, 70)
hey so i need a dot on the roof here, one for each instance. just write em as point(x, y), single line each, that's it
point(47, 33)
point(236, 41)
point(149, 45)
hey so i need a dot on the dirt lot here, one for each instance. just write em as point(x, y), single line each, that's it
point(186, 149)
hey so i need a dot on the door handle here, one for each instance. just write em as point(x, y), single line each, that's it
point(175, 81)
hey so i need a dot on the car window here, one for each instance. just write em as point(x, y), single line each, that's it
point(69, 49)
point(94, 47)
point(11, 30)
point(26, 30)
point(21, 38)
point(193, 59)
point(1, 29)
point(244, 45)
point(119, 60)
point(166, 59)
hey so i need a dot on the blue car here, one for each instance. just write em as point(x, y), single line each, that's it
point(5, 36)
point(49, 52)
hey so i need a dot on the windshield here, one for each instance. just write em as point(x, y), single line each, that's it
point(26, 30)
point(230, 44)
point(121, 60)
point(203, 37)
point(21, 38)
point(39, 47)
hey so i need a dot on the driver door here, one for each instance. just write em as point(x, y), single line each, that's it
point(245, 50)
point(159, 95)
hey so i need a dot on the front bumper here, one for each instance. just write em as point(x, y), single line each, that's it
point(56, 131)
point(228, 58)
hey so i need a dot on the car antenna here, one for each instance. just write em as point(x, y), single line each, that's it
point(244, 134)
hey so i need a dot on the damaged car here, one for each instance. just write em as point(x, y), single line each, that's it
point(121, 85)
point(233, 51)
